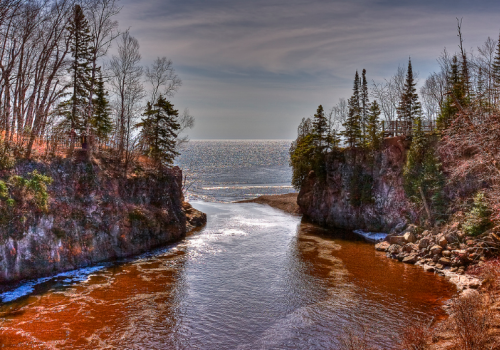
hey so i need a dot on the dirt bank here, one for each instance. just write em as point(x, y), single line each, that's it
point(286, 202)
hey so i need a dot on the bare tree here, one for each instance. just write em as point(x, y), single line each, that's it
point(163, 79)
point(433, 94)
point(389, 93)
point(129, 90)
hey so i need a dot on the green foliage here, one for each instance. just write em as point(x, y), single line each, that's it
point(101, 120)
point(373, 131)
point(457, 88)
point(160, 126)
point(301, 159)
point(352, 126)
point(73, 110)
point(32, 190)
point(409, 107)
point(477, 219)
point(360, 187)
point(7, 161)
point(423, 170)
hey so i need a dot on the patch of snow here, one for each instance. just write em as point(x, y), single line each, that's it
point(371, 236)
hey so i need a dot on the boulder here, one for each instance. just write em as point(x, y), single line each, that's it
point(451, 237)
point(394, 249)
point(398, 228)
point(436, 250)
point(400, 240)
point(409, 237)
point(424, 242)
point(444, 261)
point(442, 241)
point(426, 233)
point(382, 246)
point(429, 268)
point(411, 259)
point(446, 253)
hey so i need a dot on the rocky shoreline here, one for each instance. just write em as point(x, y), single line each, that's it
point(446, 251)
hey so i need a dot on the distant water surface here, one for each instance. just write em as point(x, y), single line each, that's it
point(230, 170)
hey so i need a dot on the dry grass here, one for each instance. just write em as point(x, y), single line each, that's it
point(355, 339)
point(416, 337)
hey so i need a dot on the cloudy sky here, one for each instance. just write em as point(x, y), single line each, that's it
point(253, 69)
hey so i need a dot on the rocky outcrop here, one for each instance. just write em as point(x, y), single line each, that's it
point(329, 201)
point(94, 214)
point(194, 217)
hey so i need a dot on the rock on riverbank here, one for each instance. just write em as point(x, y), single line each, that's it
point(286, 202)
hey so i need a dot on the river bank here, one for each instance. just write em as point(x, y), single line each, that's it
point(286, 202)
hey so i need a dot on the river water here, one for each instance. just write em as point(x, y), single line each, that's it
point(252, 278)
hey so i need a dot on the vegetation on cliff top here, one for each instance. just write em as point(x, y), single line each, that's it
point(453, 162)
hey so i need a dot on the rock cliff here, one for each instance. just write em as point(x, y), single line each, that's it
point(93, 215)
point(374, 177)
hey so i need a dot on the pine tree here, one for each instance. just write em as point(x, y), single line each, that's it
point(373, 133)
point(456, 95)
point(73, 110)
point(102, 123)
point(159, 130)
point(364, 105)
point(352, 126)
point(409, 107)
point(320, 129)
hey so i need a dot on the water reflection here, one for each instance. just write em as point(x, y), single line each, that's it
point(253, 278)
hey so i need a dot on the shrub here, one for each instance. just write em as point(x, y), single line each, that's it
point(477, 220)
point(32, 190)
point(7, 161)
point(470, 320)
point(416, 337)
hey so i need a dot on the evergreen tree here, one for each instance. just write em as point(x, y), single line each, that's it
point(320, 129)
point(73, 110)
point(364, 105)
point(102, 123)
point(409, 107)
point(302, 153)
point(422, 173)
point(159, 130)
point(352, 126)
point(373, 133)
point(457, 94)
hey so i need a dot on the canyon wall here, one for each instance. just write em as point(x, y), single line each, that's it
point(93, 215)
point(328, 200)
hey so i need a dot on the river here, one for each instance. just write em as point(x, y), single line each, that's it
point(253, 278)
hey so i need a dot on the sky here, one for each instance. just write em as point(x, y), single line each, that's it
point(254, 69)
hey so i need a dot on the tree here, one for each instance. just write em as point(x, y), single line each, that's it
point(352, 126)
point(302, 152)
point(409, 107)
point(81, 51)
point(159, 130)
point(129, 91)
point(455, 98)
point(160, 75)
point(496, 71)
point(320, 129)
point(364, 104)
point(373, 133)
point(102, 123)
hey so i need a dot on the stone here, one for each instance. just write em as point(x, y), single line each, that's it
point(382, 246)
point(439, 266)
point(426, 233)
point(400, 240)
point(399, 227)
point(429, 268)
point(394, 249)
point(411, 259)
point(411, 229)
point(442, 241)
point(446, 253)
point(451, 237)
point(424, 243)
point(454, 269)
point(445, 261)
point(409, 237)
point(436, 250)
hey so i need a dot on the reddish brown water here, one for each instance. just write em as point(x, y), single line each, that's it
point(254, 278)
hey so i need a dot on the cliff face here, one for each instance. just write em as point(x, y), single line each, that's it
point(329, 201)
point(93, 216)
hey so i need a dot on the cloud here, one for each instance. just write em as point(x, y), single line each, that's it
point(289, 51)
